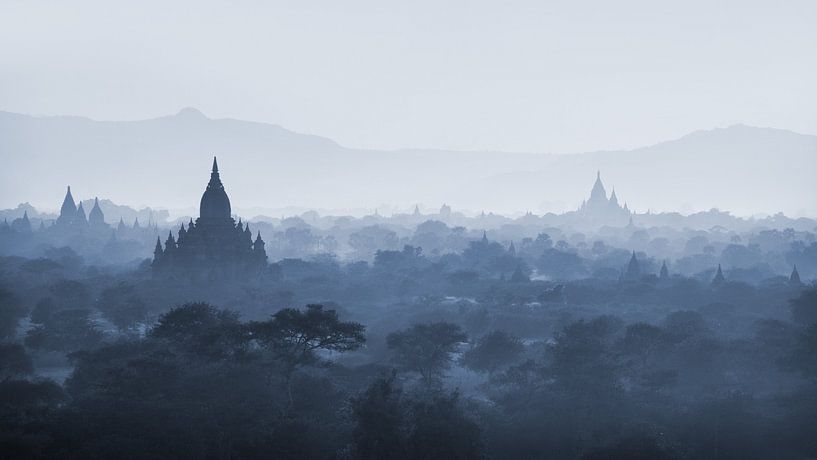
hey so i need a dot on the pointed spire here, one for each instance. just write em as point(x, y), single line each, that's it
point(170, 243)
point(484, 236)
point(598, 195)
point(664, 274)
point(68, 211)
point(96, 218)
point(215, 165)
point(80, 218)
point(633, 269)
point(22, 224)
point(136, 222)
point(719, 278)
point(157, 251)
point(258, 245)
point(614, 198)
point(795, 276)
point(258, 250)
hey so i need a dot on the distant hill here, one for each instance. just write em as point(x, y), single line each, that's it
point(165, 162)
point(741, 169)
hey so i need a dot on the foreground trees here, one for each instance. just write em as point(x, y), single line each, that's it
point(203, 383)
point(199, 386)
point(392, 425)
point(426, 348)
point(492, 352)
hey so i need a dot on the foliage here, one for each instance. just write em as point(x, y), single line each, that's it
point(493, 352)
point(426, 348)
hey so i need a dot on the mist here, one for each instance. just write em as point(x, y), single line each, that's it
point(438, 230)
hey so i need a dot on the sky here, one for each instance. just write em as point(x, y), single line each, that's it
point(528, 76)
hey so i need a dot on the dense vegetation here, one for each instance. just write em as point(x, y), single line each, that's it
point(544, 350)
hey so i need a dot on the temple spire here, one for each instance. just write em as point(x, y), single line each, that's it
point(795, 276)
point(215, 165)
point(68, 211)
point(719, 278)
point(664, 274)
point(96, 217)
point(633, 269)
point(80, 218)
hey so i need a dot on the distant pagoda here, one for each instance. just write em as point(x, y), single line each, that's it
point(213, 247)
point(72, 215)
point(602, 209)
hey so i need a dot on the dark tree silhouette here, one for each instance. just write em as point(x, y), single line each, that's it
point(295, 335)
point(379, 421)
point(426, 348)
point(492, 352)
point(11, 311)
point(203, 329)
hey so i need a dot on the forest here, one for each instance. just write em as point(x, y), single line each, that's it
point(627, 342)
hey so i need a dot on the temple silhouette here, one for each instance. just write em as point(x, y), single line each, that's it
point(215, 246)
point(601, 209)
point(72, 215)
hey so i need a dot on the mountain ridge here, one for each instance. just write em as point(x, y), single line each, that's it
point(278, 167)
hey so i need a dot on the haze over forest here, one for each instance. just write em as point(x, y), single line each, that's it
point(437, 230)
point(158, 162)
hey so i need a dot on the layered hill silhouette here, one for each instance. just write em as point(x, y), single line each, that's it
point(165, 162)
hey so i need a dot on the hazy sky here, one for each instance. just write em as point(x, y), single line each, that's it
point(513, 75)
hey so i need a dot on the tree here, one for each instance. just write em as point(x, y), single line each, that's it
point(493, 352)
point(11, 311)
point(122, 306)
point(379, 421)
point(43, 310)
point(294, 337)
point(14, 361)
point(684, 324)
point(804, 308)
point(582, 360)
point(426, 348)
point(71, 294)
point(519, 275)
point(803, 358)
point(642, 341)
point(392, 426)
point(40, 266)
point(202, 329)
point(441, 430)
point(65, 331)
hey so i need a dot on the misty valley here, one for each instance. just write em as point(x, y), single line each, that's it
point(597, 333)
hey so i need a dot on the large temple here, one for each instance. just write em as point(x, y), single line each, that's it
point(72, 215)
point(215, 246)
point(601, 209)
